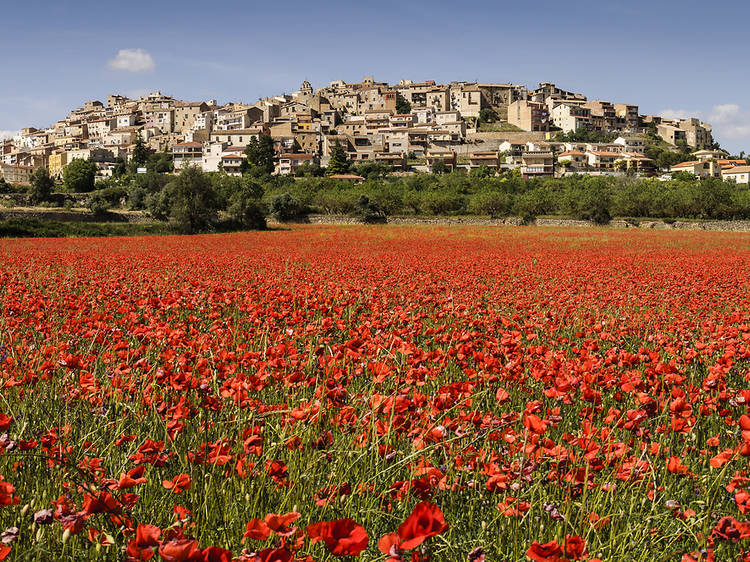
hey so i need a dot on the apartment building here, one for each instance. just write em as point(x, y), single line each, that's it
point(537, 163)
point(529, 115)
point(187, 154)
point(699, 168)
point(628, 115)
point(570, 117)
point(16, 175)
point(603, 115)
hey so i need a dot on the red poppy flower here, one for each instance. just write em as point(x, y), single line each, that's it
point(425, 521)
point(216, 554)
point(575, 547)
point(256, 529)
point(391, 545)
point(345, 537)
point(7, 493)
point(276, 521)
point(179, 483)
point(102, 502)
point(180, 550)
point(722, 458)
point(743, 501)
point(142, 546)
point(547, 552)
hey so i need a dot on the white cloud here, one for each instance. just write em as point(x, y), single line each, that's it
point(133, 60)
point(5, 134)
point(730, 120)
point(678, 113)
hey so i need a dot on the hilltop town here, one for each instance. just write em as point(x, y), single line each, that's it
point(407, 126)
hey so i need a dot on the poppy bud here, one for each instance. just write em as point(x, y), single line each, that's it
point(66, 535)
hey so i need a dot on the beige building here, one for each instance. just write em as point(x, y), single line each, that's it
point(603, 115)
point(239, 137)
point(573, 160)
point(232, 163)
point(671, 133)
point(537, 163)
point(159, 118)
point(700, 169)
point(16, 175)
point(602, 160)
point(697, 133)
point(289, 163)
point(187, 154)
point(528, 115)
point(185, 114)
point(628, 115)
point(447, 157)
point(466, 99)
point(397, 162)
point(489, 159)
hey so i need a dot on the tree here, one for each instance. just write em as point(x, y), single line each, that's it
point(585, 135)
point(368, 210)
point(307, 169)
point(439, 167)
point(487, 115)
point(191, 200)
point(41, 186)
point(120, 168)
point(402, 105)
point(339, 162)
point(161, 163)
point(245, 205)
point(482, 171)
point(140, 152)
point(260, 153)
point(285, 207)
point(79, 175)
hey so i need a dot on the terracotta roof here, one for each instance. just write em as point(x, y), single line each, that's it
point(686, 164)
point(298, 156)
point(571, 153)
point(737, 170)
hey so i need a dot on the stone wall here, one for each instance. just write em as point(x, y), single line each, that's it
point(729, 226)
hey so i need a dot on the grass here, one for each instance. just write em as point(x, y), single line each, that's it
point(33, 228)
point(501, 127)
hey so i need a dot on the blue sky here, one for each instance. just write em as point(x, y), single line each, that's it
point(673, 57)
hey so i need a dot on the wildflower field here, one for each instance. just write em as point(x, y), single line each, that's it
point(380, 393)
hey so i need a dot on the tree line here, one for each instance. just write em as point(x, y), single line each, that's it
point(196, 201)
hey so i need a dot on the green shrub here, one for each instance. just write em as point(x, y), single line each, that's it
point(285, 207)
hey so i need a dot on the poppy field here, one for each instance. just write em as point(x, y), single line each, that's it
point(376, 393)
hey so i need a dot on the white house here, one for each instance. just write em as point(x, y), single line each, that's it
point(740, 174)
point(631, 143)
